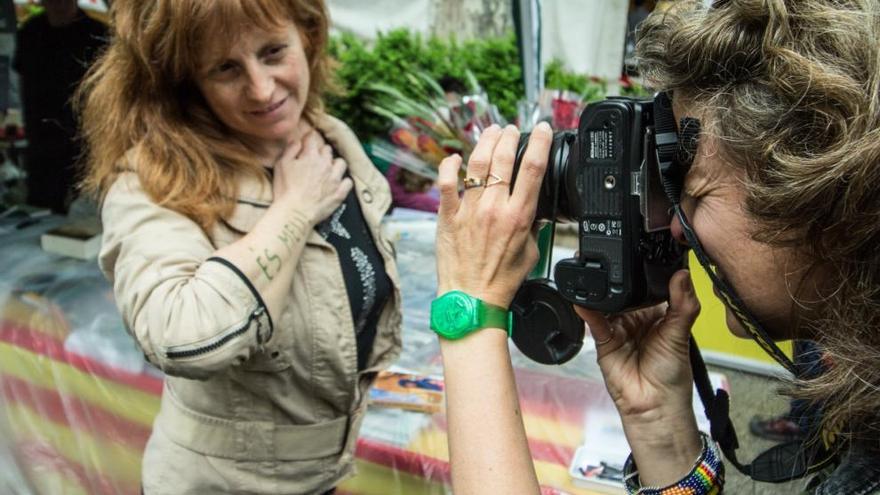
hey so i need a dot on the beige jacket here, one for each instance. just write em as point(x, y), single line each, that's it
point(250, 405)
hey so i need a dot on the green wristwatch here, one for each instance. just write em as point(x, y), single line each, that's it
point(456, 314)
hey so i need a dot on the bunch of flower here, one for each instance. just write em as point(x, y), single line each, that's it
point(429, 126)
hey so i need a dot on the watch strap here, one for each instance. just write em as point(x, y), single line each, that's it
point(492, 316)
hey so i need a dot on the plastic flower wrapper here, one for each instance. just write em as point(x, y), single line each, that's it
point(559, 108)
point(430, 126)
point(563, 98)
point(563, 108)
point(473, 112)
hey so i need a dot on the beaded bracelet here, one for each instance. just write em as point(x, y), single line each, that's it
point(706, 477)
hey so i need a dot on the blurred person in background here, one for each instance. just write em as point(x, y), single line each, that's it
point(53, 51)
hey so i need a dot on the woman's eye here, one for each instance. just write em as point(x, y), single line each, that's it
point(224, 68)
point(276, 52)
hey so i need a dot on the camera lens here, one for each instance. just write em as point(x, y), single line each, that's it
point(553, 202)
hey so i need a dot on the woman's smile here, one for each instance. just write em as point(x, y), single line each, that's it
point(274, 109)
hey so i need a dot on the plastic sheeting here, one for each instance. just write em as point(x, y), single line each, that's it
point(77, 398)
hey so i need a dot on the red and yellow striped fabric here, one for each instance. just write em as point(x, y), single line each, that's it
point(78, 426)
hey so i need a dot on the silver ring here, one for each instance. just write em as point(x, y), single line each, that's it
point(610, 336)
point(472, 182)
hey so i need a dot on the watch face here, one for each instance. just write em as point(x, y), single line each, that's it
point(452, 313)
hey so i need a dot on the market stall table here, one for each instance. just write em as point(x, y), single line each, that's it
point(77, 399)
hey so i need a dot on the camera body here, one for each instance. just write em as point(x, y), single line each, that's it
point(612, 186)
point(606, 178)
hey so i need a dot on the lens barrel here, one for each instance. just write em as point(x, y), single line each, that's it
point(553, 204)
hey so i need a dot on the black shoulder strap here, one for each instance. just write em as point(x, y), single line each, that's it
point(784, 462)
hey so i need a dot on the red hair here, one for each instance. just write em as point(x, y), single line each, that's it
point(140, 97)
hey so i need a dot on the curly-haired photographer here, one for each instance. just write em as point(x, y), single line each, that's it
point(783, 196)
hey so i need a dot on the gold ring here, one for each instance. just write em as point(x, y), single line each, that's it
point(494, 180)
point(472, 182)
point(607, 340)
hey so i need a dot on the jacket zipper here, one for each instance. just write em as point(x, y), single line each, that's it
point(170, 354)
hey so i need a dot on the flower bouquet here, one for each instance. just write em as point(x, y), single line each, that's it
point(442, 118)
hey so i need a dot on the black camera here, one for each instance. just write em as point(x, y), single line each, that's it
point(606, 178)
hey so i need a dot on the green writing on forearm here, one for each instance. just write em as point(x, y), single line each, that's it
point(269, 263)
point(264, 267)
point(292, 233)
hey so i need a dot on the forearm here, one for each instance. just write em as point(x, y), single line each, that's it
point(664, 446)
point(488, 449)
point(484, 249)
point(269, 253)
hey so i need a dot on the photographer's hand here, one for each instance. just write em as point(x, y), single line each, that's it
point(643, 355)
point(484, 242)
point(485, 248)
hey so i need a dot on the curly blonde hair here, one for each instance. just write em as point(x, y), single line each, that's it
point(792, 91)
point(140, 97)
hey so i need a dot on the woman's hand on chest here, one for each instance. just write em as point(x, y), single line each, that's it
point(307, 178)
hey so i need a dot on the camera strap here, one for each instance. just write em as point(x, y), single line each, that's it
point(673, 160)
point(784, 462)
point(779, 464)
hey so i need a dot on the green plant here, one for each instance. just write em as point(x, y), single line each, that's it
point(394, 56)
point(27, 11)
point(557, 77)
point(631, 87)
point(495, 64)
